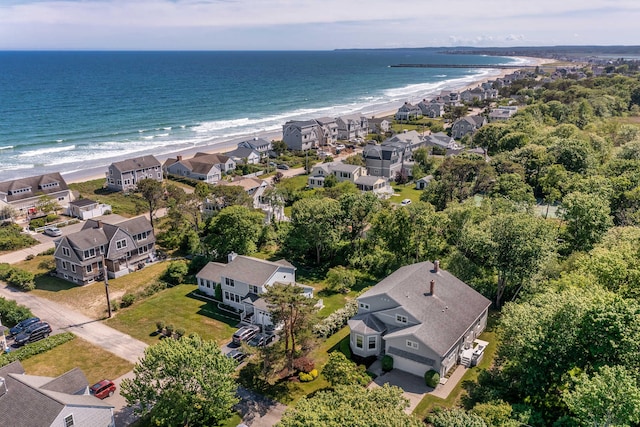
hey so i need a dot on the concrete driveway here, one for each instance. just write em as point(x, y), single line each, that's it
point(413, 386)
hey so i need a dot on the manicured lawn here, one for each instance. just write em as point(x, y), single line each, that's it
point(89, 299)
point(130, 205)
point(430, 402)
point(96, 363)
point(176, 306)
point(405, 191)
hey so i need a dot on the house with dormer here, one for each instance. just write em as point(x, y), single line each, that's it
point(432, 110)
point(23, 194)
point(118, 249)
point(408, 112)
point(328, 130)
point(258, 144)
point(422, 316)
point(467, 125)
point(342, 172)
point(124, 175)
point(301, 134)
point(39, 401)
point(352, 126)
point(242, 281)
point(207, 167)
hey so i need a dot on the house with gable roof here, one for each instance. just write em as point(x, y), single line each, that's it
point(124, 175)
point(352, 126)
point(431, 109)
point(467, 125)
point(202, 166)
point(302, 134)
point(328, 130)
point(423, 317)
point(242, 281)
point(408, 112)
point(37, 401)
point(23, 194)
point(259, 144)
point(119, 248)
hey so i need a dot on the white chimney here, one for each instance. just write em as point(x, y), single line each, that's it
point(231, 256)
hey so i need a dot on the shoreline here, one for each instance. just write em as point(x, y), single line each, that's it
point(97, 172)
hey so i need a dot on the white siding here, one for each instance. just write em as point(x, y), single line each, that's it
point(86, 417)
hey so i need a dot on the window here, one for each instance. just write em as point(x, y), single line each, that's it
point(68, 421)
point(65, 251)
point(90, 253)
point(372, 343)
point(121, 243)
point(359, 341)
point(73, 268)
point(253, 289)
point(60, 198)
point(64, 265)
point(364, 306)
point(412, 344)
point(89, 269)
point(142, 249)
point(401, 318)
point(229, 282)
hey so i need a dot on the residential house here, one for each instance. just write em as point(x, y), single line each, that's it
point(119, 248)
point(259, 144)
point(423, 182)
point(328, 130)
point(467, 125)
point(255, 188)
point(87, 208)
point(375, 184)
point(124, 175)
point(202, 166)
point(379, 125)
point(442, 140)
point(352, 126)
point(475, 94)
point(502, 113)
point(242, 281)
point(408, 112)
point(342, 172)
point(422, 316)
point(432, 110)
point(38, 401)
point(383, 160)
point(246, 155)
point(23, 194)
point(302, 135)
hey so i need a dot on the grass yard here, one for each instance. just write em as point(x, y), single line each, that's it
point(405, 191)
point(127, 206)
point(96, 363)
point(176, 306)
point(90, 299)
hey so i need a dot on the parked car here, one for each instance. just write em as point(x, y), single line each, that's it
point(237, 355)
point(53, 231)
point(273, 164)
point(245, 333)
point(405, 202)
point(340, 147)
point(102, 389)
point(33, 333)
point(261, 340)
point(283, 167)
point(21, 326)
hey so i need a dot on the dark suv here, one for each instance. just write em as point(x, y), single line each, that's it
point(21, 326)
point(33, 333)
point(245, 333)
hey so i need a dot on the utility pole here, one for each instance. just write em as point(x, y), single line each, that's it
point(106, 288)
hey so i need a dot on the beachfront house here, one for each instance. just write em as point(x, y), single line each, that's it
point(254, 187)
point(431, 109)
point(124, 175)
point(408, 112)
point(301, 135)
point(119, 248)
point(423, 317)
point(23, 195)
point(244, 155)
point(259, 144)
point(328, 130)
point(242, 281)
point(202, 166)
point(39, 401)
point(352, 127)
point(379, 125)
point(467, 125)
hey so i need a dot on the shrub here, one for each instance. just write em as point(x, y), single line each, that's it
point(51, 218)
point(180, 332)
point(35, 348)
point(115, 305)
point(12, 238)
point(30, 257)
point(37, 222)
point(154, 288)
point(13, 313)
point(314, 373)
point(22, 279)
point(303, 364)
point(159, 325)
point(176, 272)
point(431, 378)
point(304, 377)
point(168, 330)
point(336, 320)
point(127, 300)
point(5, 270)
point(49, 251)
point(387, 363)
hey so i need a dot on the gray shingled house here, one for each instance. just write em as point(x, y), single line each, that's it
point(35, 401)
point(124, 175)
point(420, 315)
point(23, 194)
point(120, 247)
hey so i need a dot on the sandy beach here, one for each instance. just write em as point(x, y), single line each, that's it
point(97, 172)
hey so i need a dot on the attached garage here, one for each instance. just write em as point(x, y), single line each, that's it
point(409, 362)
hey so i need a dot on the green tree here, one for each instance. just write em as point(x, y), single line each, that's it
point(512, 187)
point(182, 382)
point(357, 210)
point(587, 218)
point(610, 397)
point(454, 417)
point(341, 371)
point(152, 191)
point(176, 271)
point(340, 279)
point(47, 205)
point(234, 229)
point(290, 308)
point(351, 406)
point(514, 244)
point(316, 227)
point(230, 195)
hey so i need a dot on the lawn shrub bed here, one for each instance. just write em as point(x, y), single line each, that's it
point(35, 348)
point(336, 320)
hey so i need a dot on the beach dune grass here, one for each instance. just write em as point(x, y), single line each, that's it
point(175, 306)
point(95, 362)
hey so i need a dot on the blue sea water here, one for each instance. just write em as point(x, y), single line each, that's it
point(71, 111)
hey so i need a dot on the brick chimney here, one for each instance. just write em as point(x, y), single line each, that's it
point(436, 266)
point(99, 224)
point(432, 286)
point(179, 158)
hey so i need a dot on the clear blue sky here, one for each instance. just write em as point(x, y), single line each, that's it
point(312, 24)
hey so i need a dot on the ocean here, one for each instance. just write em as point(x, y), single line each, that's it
point(70, 111)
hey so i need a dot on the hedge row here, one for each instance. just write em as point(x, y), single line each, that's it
point(36, 348)
point(336, 320)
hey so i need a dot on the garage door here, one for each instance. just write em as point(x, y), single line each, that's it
point(409, 366)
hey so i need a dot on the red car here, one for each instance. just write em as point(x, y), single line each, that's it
point(103, 389)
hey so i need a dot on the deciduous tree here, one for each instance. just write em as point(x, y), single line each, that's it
point(152, 191)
